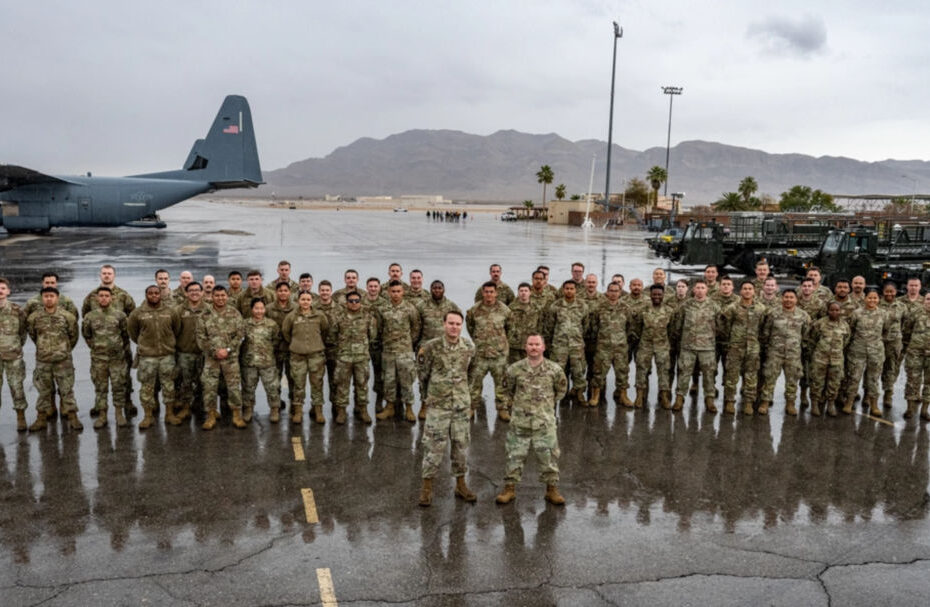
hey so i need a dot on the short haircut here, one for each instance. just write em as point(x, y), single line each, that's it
point(53, 290)
point(351, 271)
point(234, 273)
point(255, 300)
point(772, 278)
point(306, 275)
point(890, 283)
point(437, 282)
point(699, 281)
point(546, 268)
point(725, 278)
point(104, 288)
point(762, 261)
point(454, 312)
point(747, 282)
point(4, 281)
point(325, 283)
point(193, 283)
point(789, 290)
point(373, 279)
point(618, 276)
point(489, 284)
point(494, 265)
point(524, 284)
point(219, 289)
point(284, 262)
point(52, 275)
point(814, 269)
point(254, 273)
point(654, 287)
point(578, 263)
point(282, 283)
point(107, 266)
point(839, 280)
point(415, 271)
point(709, 266)
point(395, 283)
point(540, 272)
point(395, 264)
point(569, 282)
point(160, 271)
point(810, 280)
point(150, 287)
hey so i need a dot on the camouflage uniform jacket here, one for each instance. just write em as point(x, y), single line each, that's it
point(261, 341)
point(639, 304)
point(399, 327)
point(824, 294)
point(273, 285)
point(106, 333)
point(722, 300)
point(276, 313)
point(187, 338)
point(654, 324)
point(304, 331)
point(339, 296)
point(895, 311)
point(488, 327)
point(504, 294)
point(534, 392)
point(55, 334)
point(353, 332)
point(785, 332)
point(524, 321)
point(329, 310)
point(695, 325)
point(846, 307)
point(566, 323)
point(612, 324)
point(543, 299)
point(829, 339)
point(64, 302)
point(443, 368)
point(12, 331)
point(178, 296)
point(910, 307)
point(220, 329)
point(155, 330)
point(770, 304)
point(245, 301)
point(917, 333)
point(384, 288)
point(417, 296)
point(432, 313)
point(234, 298)
point(122, 301)
point(814, 307)
point(869, 329)
point(741, 324)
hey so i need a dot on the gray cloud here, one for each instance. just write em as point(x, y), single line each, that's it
point(804, 36)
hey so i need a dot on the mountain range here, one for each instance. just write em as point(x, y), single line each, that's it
point(502, 167)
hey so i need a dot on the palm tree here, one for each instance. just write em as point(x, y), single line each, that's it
point(560, 191)
point(545, 177)
point(656, 177)
point(747, 187)
point(528, 204)
point(730, 201)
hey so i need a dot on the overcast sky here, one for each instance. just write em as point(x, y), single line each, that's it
point(122, 87)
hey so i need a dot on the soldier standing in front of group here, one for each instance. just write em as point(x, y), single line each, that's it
point(12, 340)
point(55, 333)
point(219, 335)
point(107, 335)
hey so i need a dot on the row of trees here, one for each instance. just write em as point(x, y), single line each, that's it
point(798, 199)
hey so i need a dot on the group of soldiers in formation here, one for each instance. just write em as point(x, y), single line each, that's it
point(203, 340)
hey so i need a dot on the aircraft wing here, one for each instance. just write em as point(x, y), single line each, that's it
point(12, 176)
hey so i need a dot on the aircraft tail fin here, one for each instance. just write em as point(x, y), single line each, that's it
point(228, 156)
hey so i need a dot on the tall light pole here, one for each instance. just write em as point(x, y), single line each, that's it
point(618, 33)
point(671, 91)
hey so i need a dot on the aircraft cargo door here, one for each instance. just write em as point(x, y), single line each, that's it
point(85, 206)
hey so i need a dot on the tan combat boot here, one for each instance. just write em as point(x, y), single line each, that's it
point(848, 405)
point(580, 397)
point(764, 408)
point(506, 495)
point(888, 399)
point(185, 413)
point(624, 398)
point(709, 404)
point(665, 399)
point(729, 407)
point(275, 415)
point(790, 409)
point(553, 496)
point(210, 422)
point(364, 414)
point(815, 407)
point(120, 417)
point(147, 420)
point(388, 412)
point(805, 399)
point(679, 403)
point(426, 492)
point(911, 409)
point(237, 418)
point(21, 421)
point(640, 401)
point(340, 415)
point(41, 422)
point(247, 412)
point(831, 408)
point(747, 407)
point(297, 414)
point(422, 414)
point(874, 409)
point(408, 413)
point(462, 491)
point(74, 422)
point(318, 414)
point(171, 417)
point(503, 415)
point(924, 413)
point(101, 421)
point(595, 399)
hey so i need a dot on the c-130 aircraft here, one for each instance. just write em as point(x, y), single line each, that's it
point(226, 159)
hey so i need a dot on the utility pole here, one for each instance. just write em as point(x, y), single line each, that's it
point(618, 33)
point(671, 91)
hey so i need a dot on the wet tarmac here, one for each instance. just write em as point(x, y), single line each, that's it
point(663, 509)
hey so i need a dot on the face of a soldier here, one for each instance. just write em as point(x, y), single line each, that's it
point(681, 289)
point(4, 291)
point(194, 294)
point(815, 276)
point(841, 289)
point(620, 281)
point(913, 288)
point(523, 294)
point(613, 293)
point(437, 291)
point(452, 326)
point(351, 279)
point(304, 301)
point(700, 291)
point(833, 311)
point(185, 278)
point(590, 283)
point(770, 288)
point(209, 282)
point(762, 271)
point(416, 280)
point(354, 302)
point(496, 273)
point(807, 288)
point(283, 293)
point(284, 272)
point(539, 281)
point(396, 294)
point(219, 299)
point(858, 285)
point(395, 272)
point(235, 282)
point(577, 273)
point(162, 279)
point(49, 300)
point(726, 287)
point(568, 291)
point(373, 288)
point(255, 282)
point(658, 276)
point(306, 284)
point(50, 281)
point(258, 310)
point(871, 300)
point(927, 302)
point(489, 295)
point(747, 291)
point(326, 293)
point(889, 292)
point(789, 300)
point(636, 287)
point(103, 298)
point(152, 296)
point(535, 347)
point(710, 274)
point(107, 276)
point(656, 296)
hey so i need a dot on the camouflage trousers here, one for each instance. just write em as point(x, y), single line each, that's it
point(377, 373)
point(917, 369)
point(15, 371)
point(304, 367)
point(269, 378)
point(444, 426)
point(152, 370)
point(46, 377)
point(282, 363)
point(348, 372)
point(481, 366)
point(706, 361)
point(572, 361)
point(645, 354)
point(865, 366)
point(189, 368)
point(331, 373)
point(825, 379)
point(213, 371)
point(892, 365)
point(604, 359)
point(398, 372)
point(544, 442)
point(515, 354)
point(108, 374)
point(805, 368)
point(775, 363)
point(741, 361)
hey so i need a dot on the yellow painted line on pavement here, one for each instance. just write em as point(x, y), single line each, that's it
point(876, 419)
point(298, 449)
point(310, 506)
point(188, 249)
point(327, 593)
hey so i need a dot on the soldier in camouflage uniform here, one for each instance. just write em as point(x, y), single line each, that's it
point(395, 272)
point(857, 294)
point(443, 366)
point(710, 277)
point(724, 296)
point(762, 273)
point(540, 296)
point(399, 326)
point(821, 292)
point(869, 329)
point(593, 299)
point(525, 320)
point(893, 343)
point(350, 277)
point(783, 333)
point(219, 335)
point(695, 329)
point(179, 295)
point(329, 307)
point(50, 279)
point(262, 337)
point(565, 325)
point(188, 357)
point(612, 324)
point(12, 340)
point(504, 293)
point(55, 333)
point(535, 386)
point(653, 329)
point(279, 310)
point(829, 336)
point(254, 289)
point(155, 328)
point(740, 326)
point(353, 329)
point(163, 282)
point(815, 308)
point(374, 303)
point(106, 333)
point(416, 294)
point(234, 289)
point(303, 331)
point(637, 301)
point(432, 310)
point(916, 334)
point(284, 275)
point(912, 300)
point(488, 323)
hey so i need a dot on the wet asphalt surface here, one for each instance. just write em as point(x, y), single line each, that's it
point(662, 508)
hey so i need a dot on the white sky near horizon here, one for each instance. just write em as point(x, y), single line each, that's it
point(122, 87)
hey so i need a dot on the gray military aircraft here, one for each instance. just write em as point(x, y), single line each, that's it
point(227, 158)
